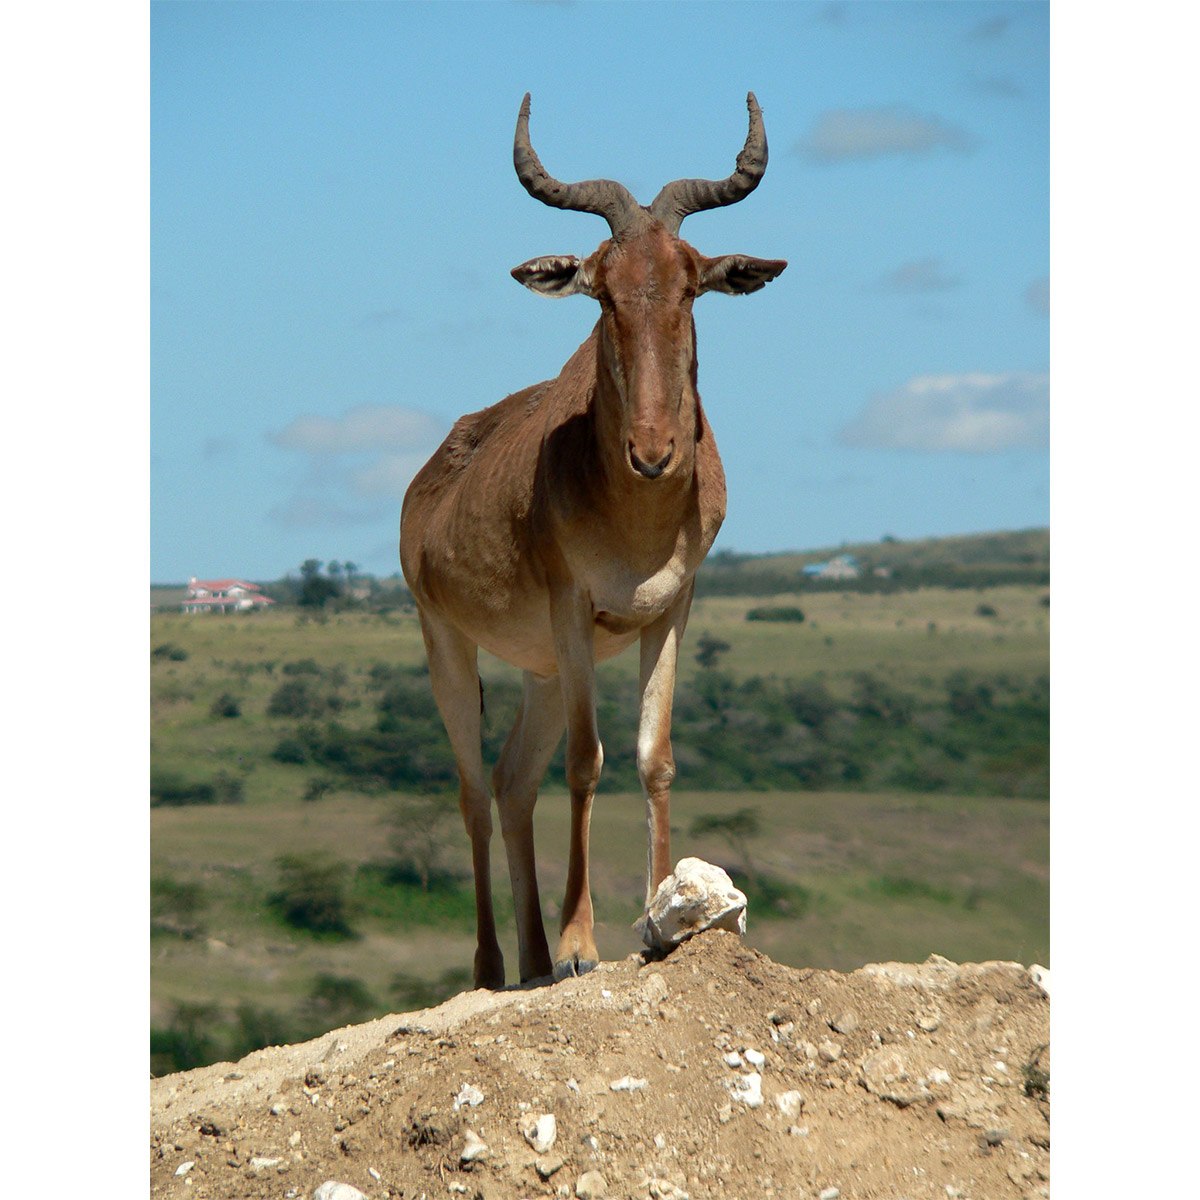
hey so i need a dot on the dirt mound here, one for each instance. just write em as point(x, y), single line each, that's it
point(712, 1073)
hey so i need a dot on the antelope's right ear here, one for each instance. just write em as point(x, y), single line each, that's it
point(555, 275)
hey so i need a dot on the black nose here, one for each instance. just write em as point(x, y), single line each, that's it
point(650, 470)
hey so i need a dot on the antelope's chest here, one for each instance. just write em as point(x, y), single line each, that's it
point(626, 599)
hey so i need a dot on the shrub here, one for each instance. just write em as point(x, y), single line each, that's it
point(299, 697)
point(171, 790)
point(985, 610)
point(186, 1042)
point(781, 613)
point(169, 651)
point(226, 705)
point(312, 893)
point(176, 906)
point(290, 750)
point(318, 787)
point(336, 1000)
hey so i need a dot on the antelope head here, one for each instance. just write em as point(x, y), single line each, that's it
point(646, 278)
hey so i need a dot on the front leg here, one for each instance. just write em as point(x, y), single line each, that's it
point(656, 763)
point(572, 617)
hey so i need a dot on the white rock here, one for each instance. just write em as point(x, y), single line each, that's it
point(540, 1132)
point(938, 1075)
point(694, 897)
point(747, 1089)
point(732, 1059)
point(184, 1167)
point(627, 1083)
point(1041, 976)
point(790, 1104)
point(755, 1058)
point(591, 1185)
point(474, 1147)
point(332, 1190)
point(264, 1164)
point(468, 1094)
point(830, 1193)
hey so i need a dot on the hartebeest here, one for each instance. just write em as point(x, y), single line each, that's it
point(560, 525)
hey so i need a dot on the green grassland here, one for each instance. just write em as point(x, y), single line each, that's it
point(914, 719)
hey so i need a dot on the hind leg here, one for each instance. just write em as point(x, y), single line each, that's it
point(519, 771)
point(454, 674)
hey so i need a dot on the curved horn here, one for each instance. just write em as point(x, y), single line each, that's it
point(604, 197)
point(686, 196)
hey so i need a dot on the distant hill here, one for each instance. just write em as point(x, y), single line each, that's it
point(966, 560)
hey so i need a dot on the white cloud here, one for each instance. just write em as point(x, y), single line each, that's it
point(842, 135)
point(1037, 295)
point(359, 464)
point(973, 413)
point(921, 275)
point(369, 427)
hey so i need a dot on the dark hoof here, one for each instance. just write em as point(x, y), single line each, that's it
point(573, 966)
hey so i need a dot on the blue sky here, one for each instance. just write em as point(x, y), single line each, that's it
point(334, 214)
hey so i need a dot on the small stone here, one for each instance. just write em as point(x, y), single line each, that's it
point(938, 1076)
point(798, 1130)
point(790, 1104)
point(468, 1094)
point(264, 1164)
point(756, 1058)
point(591, 1185)
point(332, 1190)
point(747, 1089)
point(886, 1074)
point(660, 1142)
point(474, 1147)
point(184, 1168)
point(627, 1083)
point(928, 1024)
point(374, 1174)
point(540, 1132)
point(845, 1022)
point(696, 896)
point(546, 1167)
point(1041, 976)
point(294, 1138)
point(277, 1110)
point(994, 1137)
point(829, 1051)
point(732, 1059)
point(830, 1193)
point(813, 1007)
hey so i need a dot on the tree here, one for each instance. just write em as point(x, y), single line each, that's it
point(709, 650)
point(316, 589)
point(737, 828)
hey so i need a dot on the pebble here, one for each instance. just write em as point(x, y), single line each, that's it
point(546, 1167)
point(627, 1083)
point(747, 1089)
point(591, 1185)
point(829, 1051)
point(468, 1094)
point(755, 1058)
point(540, 1132)
point(660, 1142)
point(263, 1164)
point(732, 1059)
point(474, 1147)
point(928, 1024)
point(332, 1190)
point(184, 1168)
point(294, 1138)
point(790, 1104)
point(937, 1075)
point(830, 1193)
point(845, 1022)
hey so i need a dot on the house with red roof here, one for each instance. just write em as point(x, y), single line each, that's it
point(224, 596)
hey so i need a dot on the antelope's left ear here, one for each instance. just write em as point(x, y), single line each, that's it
point(738, 274)
point(555, 275)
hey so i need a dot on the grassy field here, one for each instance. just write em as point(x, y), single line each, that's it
point(859, 875)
